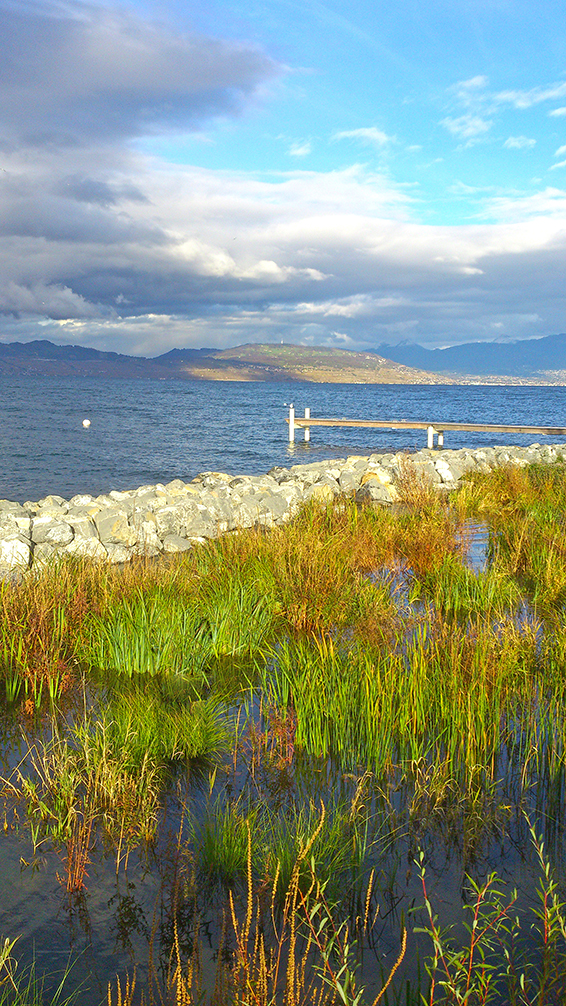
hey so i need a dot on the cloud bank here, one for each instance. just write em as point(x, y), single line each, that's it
point(106, 246)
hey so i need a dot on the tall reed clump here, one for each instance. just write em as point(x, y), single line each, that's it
point(232, 831)
point(458, 592)
point(462, 694)
point(314, 569)
point(297, 954)
point(40, 619)
point(161, 632)
point(151, 633)
point(525, 508)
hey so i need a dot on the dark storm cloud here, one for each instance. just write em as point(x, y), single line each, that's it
point(73, 73)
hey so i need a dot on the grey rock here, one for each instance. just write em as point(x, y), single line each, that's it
point(348, 481)
point(169, 520)
point(83, 526)
point(89, 548)
point(15, 553)
point(44, 554)
point(52, 530)
point(174, 543)
point(321, 492)
point(50, 501)
point(118, 554)
point(374, 492)
point(81, 500)
point(6, 506)
point(113, 528)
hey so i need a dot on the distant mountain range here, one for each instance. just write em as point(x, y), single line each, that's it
point(535, 361)
point(242, 363)
point(528, 358)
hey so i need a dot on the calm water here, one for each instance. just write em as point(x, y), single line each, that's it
point(153, 431)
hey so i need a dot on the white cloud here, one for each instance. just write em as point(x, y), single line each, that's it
point(367, 134)
point(558, 111)
point(559, 164)
point(519, 142)
point(217, 259)
point(300, 149)
point(561, 151)
point(467, 127)
point(534, 96)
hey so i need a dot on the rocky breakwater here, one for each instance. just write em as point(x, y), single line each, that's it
point(170, 518)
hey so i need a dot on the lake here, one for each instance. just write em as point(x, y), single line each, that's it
point(144, 432)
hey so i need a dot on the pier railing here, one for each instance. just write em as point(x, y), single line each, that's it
point(433, 429)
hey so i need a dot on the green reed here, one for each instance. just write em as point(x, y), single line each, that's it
point(462, 693)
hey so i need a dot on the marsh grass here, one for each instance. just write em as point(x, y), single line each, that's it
point(24, 987)
point(366, 644)
point(456, 591)
point(296, 953)
point(107, 778)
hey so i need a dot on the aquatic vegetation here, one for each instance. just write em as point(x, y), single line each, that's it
point(25, 987)
point(352, 658)
point(150, 634)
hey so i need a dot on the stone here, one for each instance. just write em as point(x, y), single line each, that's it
point(320, 492)
point(168, 520)
point(118, 553)
point(15, 553)
point(6, 506)
point(82, 500)
point(379, 475)
point(90, 548)
point(176, 487)
point(83, 527)
point(174, 543)
point(50, 501)
point(348, 482)
point(52, 530)
point(113, 528)
point(374, 491)
point(44, 553)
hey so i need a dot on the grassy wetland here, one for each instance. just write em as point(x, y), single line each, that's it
point(323, 764)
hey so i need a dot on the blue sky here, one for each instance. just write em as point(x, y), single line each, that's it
point(333, 173)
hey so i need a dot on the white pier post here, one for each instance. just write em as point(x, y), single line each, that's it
point(291, 423)
point(440, 441)
point(430, 437)
point(307, 428)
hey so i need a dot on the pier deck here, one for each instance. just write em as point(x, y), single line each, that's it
point(433, 429)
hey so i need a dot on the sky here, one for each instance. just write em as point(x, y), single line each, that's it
point(321, 173)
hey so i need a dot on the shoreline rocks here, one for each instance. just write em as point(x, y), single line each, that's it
point(155, 519)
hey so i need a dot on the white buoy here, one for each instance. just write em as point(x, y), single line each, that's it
point(86, 423)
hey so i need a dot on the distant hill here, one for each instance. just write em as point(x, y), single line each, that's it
point(283, 362)
point(243, 363)
point(402, 364)
point(527, 358)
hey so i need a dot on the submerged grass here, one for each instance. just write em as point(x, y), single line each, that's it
point(368, 648)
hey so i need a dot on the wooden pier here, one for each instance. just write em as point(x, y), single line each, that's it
point(433, 429)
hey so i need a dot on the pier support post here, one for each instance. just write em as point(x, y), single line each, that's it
point(291, 424)
point(430, 437)
point(440, 441)
point(307, 428)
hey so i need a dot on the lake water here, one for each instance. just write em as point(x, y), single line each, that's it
point(153, 431)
